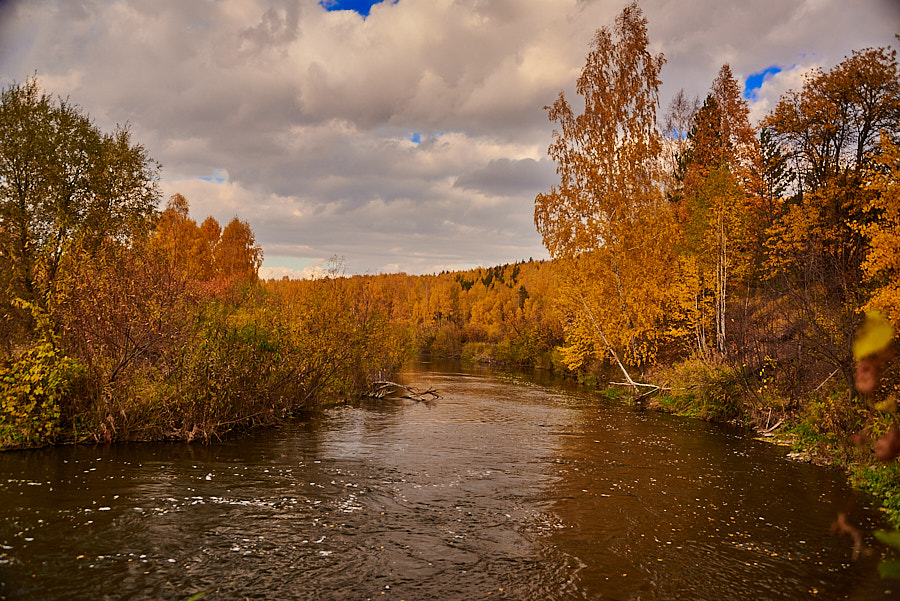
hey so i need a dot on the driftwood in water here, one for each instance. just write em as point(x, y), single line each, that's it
point(638, 398)
point(392, 390)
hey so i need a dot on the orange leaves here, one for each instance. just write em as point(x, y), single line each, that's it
point(206, 252)
point(606, 156)
point(835, 245)
point(834, 123)
point(882, 263)
point(182, 242)
point(605, 221)
point(833, 126)
point(237, 254)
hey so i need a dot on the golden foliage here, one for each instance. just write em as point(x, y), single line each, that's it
point(882, 263)
point(605, 220)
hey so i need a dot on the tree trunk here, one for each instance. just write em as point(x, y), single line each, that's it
point(721, 285)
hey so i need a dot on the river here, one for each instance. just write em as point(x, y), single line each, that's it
point(504, 488)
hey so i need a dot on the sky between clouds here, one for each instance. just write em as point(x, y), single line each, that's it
point(413, 139)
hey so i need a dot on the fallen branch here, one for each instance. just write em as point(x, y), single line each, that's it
point(831, 375)
point(631, 383)
point(768, 431)
point(640, 397)
point(393, 390)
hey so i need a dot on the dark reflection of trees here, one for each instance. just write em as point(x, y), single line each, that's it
point(660, 507)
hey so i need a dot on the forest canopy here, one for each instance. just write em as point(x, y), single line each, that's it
point(709, 237)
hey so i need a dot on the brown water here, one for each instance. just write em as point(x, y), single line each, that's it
point(501, 489)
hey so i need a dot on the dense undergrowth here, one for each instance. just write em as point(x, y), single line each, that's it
point(252, 360)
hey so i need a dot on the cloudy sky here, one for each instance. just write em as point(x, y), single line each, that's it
point(409, 137)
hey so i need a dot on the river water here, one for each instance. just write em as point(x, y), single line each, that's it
point(504, 488)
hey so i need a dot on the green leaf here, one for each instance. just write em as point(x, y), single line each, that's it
point(891, 539)
point(889, 569)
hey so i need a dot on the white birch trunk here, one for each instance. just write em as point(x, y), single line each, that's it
point(721, 285)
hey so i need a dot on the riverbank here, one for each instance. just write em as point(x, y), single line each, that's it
point(253, 355)
point(825, 427)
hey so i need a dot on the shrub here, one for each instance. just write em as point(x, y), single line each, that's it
point(882, 481)
point(33, 388)
point(703, 390)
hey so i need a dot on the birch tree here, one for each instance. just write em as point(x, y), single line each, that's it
point(721, 170)
point(604, 221)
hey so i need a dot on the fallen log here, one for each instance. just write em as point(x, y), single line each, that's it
point(639, 398)
point(393, 390)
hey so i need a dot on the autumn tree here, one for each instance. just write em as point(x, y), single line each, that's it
point(63, 180)
point(833, 128)
point(834, 124)
point(603, 221)
point(720, 174)
point(186, 246)
point(882, 263)
point(211, 232)
point(237, 255)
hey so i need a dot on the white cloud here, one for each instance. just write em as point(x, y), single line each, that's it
point(774, 86)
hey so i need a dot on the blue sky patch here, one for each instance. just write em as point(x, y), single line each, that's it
point(219, 176)
point(755, 81)
point(360, 6)
point(416, 138)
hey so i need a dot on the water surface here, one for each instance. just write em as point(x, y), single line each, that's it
point(503, 488)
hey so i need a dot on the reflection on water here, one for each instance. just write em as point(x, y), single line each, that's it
point(503, 488)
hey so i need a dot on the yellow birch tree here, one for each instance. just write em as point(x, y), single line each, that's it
point(605, 222)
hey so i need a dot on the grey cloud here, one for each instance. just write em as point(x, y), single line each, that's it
point(408, 233)
point(504, 177)
point(699, 37)
point(277, 27)
point(310, 112)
